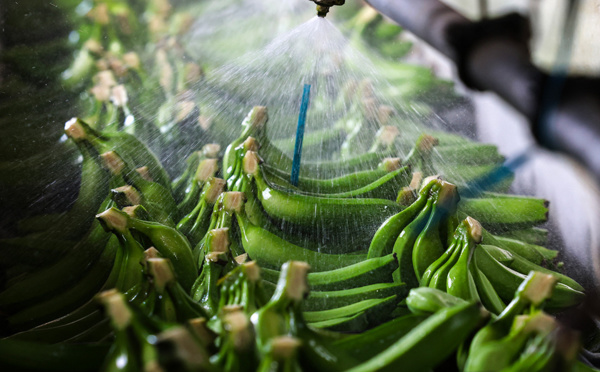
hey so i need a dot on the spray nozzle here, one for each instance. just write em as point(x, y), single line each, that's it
point(324, 5)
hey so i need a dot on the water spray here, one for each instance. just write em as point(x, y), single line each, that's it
point(324, 5)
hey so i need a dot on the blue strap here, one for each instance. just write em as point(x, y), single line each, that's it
point(475, 187)
point(300, 135)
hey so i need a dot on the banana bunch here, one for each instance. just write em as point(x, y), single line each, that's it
point(143, 341)
point(231, 243)
point(33, 109)
point(127, 87)
point(523, 337)
point(54, 272)
point(432, 247)
point(378, 261)
point(39, 81)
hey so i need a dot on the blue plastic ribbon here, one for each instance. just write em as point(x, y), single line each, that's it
point(300, 135)
point(502, 172)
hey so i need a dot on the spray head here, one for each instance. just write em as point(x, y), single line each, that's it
point(324, 5)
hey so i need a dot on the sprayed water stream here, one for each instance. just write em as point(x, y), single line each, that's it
point(346, 89)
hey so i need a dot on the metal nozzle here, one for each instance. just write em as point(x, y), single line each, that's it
point(324, 5)
point(322, 11)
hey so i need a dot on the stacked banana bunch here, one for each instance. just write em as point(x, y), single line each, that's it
point(231, 268)
point(388, 260)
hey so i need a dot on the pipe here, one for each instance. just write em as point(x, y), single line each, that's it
point(574, 125)
point(493, 55)
point(429, 20)
point(490, 55)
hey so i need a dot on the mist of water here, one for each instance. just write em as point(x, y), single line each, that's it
point(346, 90)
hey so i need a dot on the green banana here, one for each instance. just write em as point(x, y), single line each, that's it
point(90, 306)
point(131, 275)
point(533, 235)
point(187, 222)
point(277, 222)
point(467, 154)
point(344, 243)
point(243, 286)
point(460, 281)
point(169, 242)
point(180, 183)
point(59, 234)
point(216, 259)
point(353, 323)
point(316, 139)
point(325, 215)
point(322, 169)
point(60, 333)
point(79, 320)
point(366, 161)
point(170, 345)
point(374, 311)
point(386, 187)
point(132, 349)
point(94, 187)
point(325, 300)
point(225, 207)
point(121, 356)
point(281, 355)
point(155, 198)
point(439, 278)
point(195, 224)
point(99, 332)
point(499, 353)
point(497, 214)
point(386, 235)
point(131, 149)
point(282, 315)
point(253, 123)
point(175, 305)
point(404, 244)
point(366, 345)
point(48, 281)
point(335, 185)
point(488, 295)
point(517, 263)
point(255, 240)
point(426, 300)
point(548, 352)
point(529, 296)
point(506, 280)
point(524, 249)
point(103, 274)
point(207, 169)
point(272, 319)
point(466, 232)
point(238, 349)
point(462, 175)
point(370, 271)
point(533, 253)
point(428, 246)
point(429, 343)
